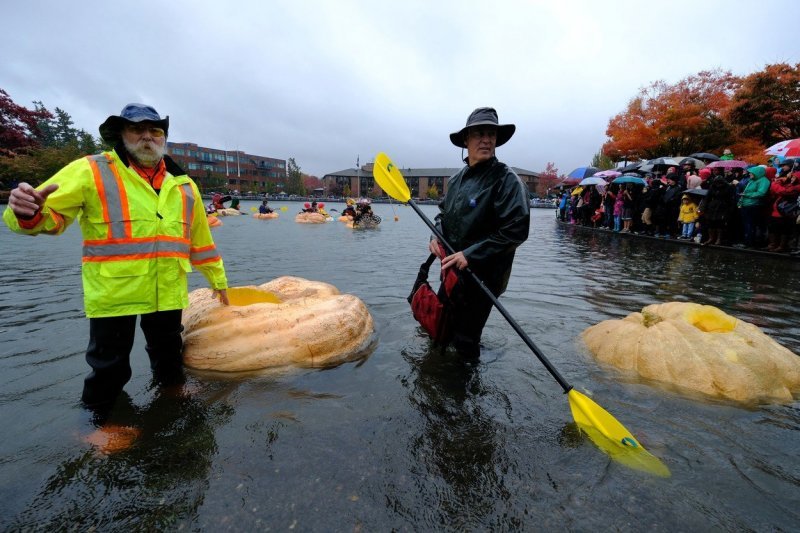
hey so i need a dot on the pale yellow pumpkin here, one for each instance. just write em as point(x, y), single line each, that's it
point(698, 348)
point(228, 212)
point(311, 218)
point(266, 216)
point(288, 321)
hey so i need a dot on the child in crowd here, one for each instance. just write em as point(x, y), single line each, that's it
point(618, 207)
point(688, 216)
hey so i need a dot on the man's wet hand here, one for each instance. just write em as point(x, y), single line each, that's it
point(222, 294)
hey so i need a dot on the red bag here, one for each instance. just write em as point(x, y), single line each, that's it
point(431, 312)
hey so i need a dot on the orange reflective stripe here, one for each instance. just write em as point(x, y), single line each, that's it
point(58, 219)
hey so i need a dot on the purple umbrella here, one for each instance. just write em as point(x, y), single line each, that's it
point(607, 174)
point(730, 163)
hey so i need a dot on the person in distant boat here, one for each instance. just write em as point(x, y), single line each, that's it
point(485, 216)
point(310, 208)
point(264, 208)
point(144, 227)
point(350, 210)
point(235, 204)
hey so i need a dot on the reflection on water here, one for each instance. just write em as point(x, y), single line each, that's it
point(410, 438)
point(153, 485)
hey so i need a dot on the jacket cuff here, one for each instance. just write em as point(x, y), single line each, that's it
point(30, 223)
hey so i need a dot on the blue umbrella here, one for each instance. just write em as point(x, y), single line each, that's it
point(627, 178)
point(583, 172)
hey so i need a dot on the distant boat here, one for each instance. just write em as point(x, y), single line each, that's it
point(548, 204)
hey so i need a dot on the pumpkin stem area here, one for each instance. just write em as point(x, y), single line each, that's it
point(241, 296)
point(710, 320)
point(650, 319)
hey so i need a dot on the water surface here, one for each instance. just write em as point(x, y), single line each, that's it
point(407, 439)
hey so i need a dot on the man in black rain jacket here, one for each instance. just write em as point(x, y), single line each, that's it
point(485, 216)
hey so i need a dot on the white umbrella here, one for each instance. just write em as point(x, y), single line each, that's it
point(591, 180)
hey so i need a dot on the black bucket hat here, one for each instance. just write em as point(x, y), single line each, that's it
point(484, 116)
point(131, 113)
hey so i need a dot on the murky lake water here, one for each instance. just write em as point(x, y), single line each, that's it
point(405, 440)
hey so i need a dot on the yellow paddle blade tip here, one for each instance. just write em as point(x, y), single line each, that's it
point(608, 434)
point(389, 178)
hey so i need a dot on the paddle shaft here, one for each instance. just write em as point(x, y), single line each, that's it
point(535, 349)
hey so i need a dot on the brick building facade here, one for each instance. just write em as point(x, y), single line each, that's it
point(216, 170)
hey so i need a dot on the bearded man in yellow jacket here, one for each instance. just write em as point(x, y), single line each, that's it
point(144, 227)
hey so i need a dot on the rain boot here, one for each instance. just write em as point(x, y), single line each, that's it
point(783, 246)
point(773, 243)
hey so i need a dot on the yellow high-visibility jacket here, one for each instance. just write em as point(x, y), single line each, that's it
point(138, 246)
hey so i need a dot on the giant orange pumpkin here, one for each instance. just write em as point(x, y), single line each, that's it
point(288, 321)
point(698, 348)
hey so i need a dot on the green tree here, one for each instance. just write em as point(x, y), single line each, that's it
point(294, 182)
point(602, 161)
point(37, 164)
point(433, 192)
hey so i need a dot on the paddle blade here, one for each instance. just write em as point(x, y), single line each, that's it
point(284, 208)
point(253, 209)
point(612, 437)
point(390, 179)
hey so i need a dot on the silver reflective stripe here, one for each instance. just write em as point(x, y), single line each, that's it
point(202, 256)
point(110, 249)
point(113, 199)
point(188, 215)
point(148, 248)
point(172, 246)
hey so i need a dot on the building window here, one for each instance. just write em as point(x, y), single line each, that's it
point(178, 151)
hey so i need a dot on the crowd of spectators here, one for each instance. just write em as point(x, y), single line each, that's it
point(755, 207)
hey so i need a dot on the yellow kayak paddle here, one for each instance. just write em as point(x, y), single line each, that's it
point(602, 428)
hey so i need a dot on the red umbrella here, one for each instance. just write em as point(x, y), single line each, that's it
point(790, 148)
point(730, 163)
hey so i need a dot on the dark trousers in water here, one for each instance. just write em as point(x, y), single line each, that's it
point(110, 344)
point(468, 316)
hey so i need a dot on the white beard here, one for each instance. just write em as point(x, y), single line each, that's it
point(146, 153)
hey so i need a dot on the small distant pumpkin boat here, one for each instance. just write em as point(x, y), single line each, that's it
point(213, 221)
point(288, 321)
point(265, 216)
point(365, 222)
point(228, 211)
point(312, 218)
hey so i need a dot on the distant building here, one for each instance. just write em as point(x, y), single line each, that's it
point(359, 181)
point(214, 169)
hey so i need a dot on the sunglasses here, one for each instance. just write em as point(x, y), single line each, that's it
point(141, 129)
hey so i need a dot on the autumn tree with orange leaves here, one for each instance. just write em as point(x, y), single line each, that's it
point(767, 107)
point(709, 112)
point(678, 119)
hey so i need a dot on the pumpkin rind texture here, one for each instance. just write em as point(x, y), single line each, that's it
point(698, 348)
point(313, 325)
point(311, 218)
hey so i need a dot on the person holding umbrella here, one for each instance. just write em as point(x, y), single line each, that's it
point(485, 216)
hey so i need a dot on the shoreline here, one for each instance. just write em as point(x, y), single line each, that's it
point(794, 255)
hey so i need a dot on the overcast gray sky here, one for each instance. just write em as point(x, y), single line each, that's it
point(328, 81)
